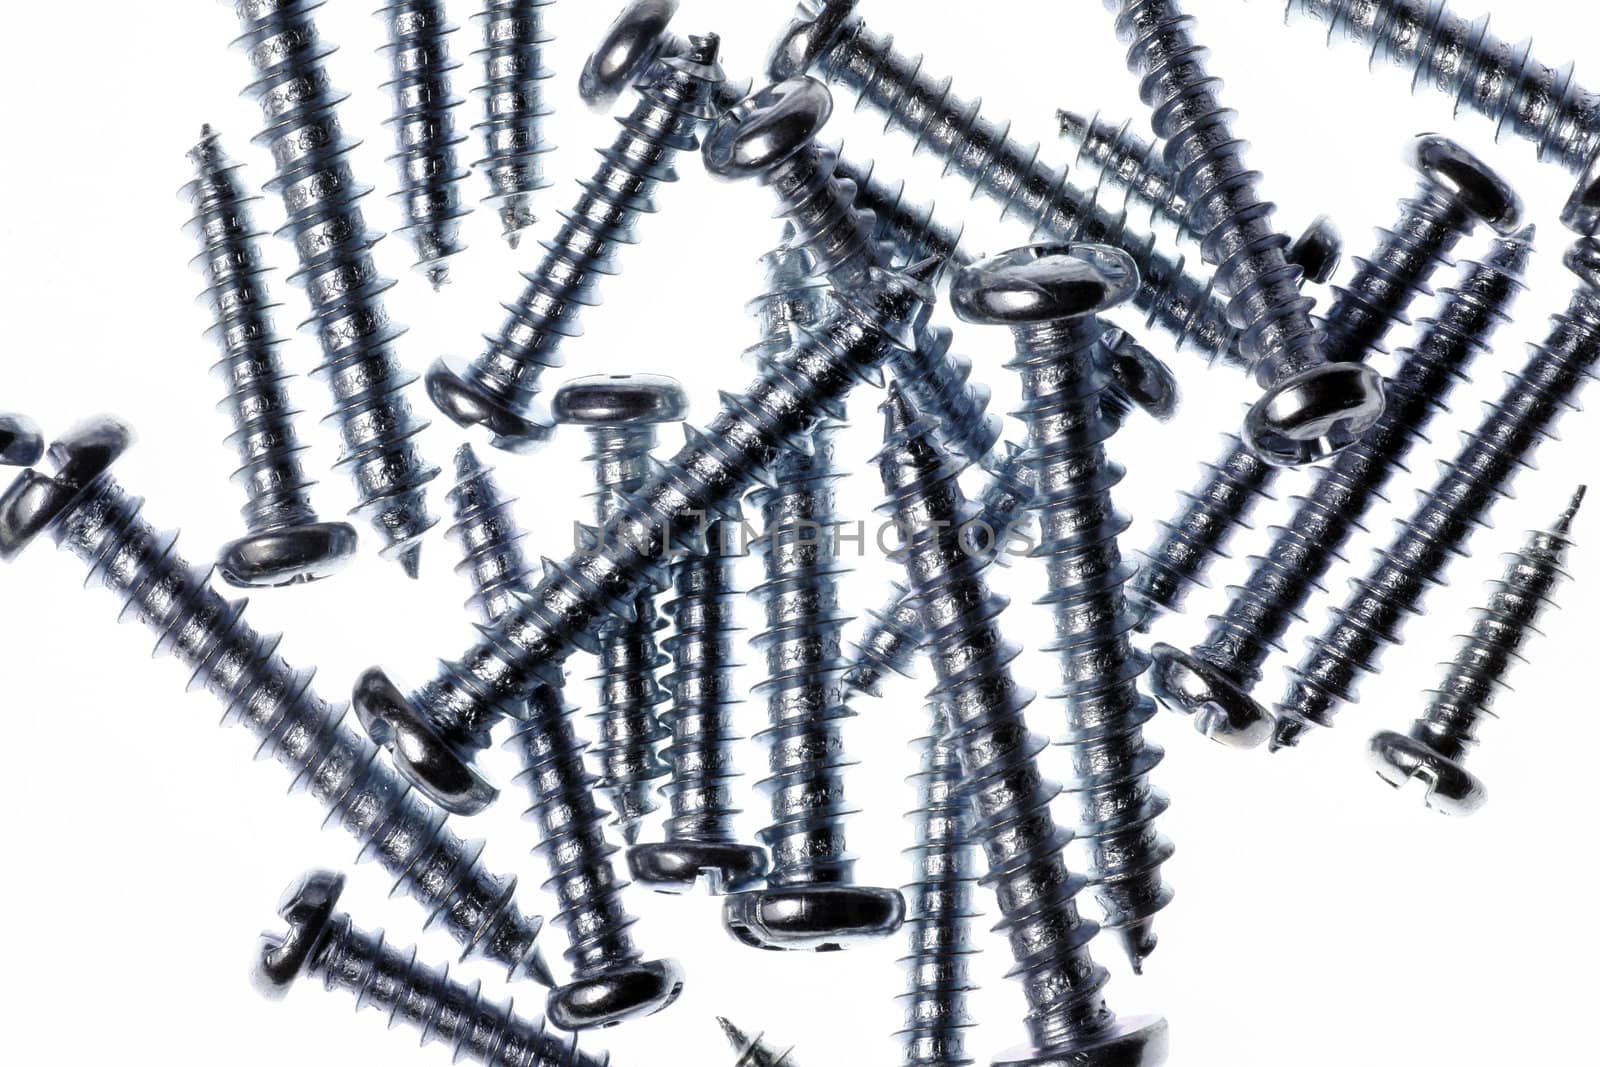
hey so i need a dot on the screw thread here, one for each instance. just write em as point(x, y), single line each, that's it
point(1282, 580)
point(1460, 58)
point(1126, 161)
point(490, 540)
point(939, 905)
point(1438, 530)
point(980, 151)
point(674, 105)
point(1237, 236)
point(755, 1051)
point(1009, 796)
point(1105, 711)
point(326, 756)
point(514, 110)
point(909, 227)
point(341, 280)
point(423, 120)
point(277, 488)
point(440, 1008)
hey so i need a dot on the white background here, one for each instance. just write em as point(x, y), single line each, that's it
point(1320, 919)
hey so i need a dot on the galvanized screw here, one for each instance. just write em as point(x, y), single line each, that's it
point(88, 514)
point(611, 982)
point(1446, 517)
point(1312, 406)
point(321, 942)
point(620, 412)
point(498, 389)
point(1214, 681)
point(1051, 297)
point(638, 38)
point(287, 543)
point(514, 110)
point(1456, 191)
point(21, 444)
point(1068, 1020)
point(1433, 750)
point(322, 199)
point(754, 1051)
point(1501, 81)
point(447, 722)
point(423, 119)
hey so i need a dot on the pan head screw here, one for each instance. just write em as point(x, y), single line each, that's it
point(632, 42)
point(426, 759)
point(308, 906)
point(21, 444)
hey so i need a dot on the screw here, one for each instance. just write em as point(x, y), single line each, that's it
point(287, 543)
point(1455, 192)
point(621, 413)
point(1068, 1020)
point(448, 721)
point(1312, 406)
point(21, 444)
point(1432, 751)
point(830, 42)
point(322, 199)
point(514, 110)
point(754, 1051)
point(1051, 297)
point(1541, 104)
point(425, 131)
point(1445, 518)
point(638, 38)
point(321, 942)
point(88, 514)
point(1214, 682)
point(939, 904)
point(611, 982)
point(497, 390)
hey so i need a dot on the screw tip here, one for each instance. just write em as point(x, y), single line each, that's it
point(1564, 524)
point(1073, 126)
point(411, 561)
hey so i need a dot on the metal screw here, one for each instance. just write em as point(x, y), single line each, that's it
point(1433, 750)
point(1456, 191)
point(1541, 104)
point(1068, 1020)
point(754, 1051)
point(611, 982)
point(514, 110)
point(939, 904)
point(638, 38)
point(498, 389)
point(447, 722)
point(425, 131)
point(322, 199)
point(89, 515)
point(321, 942)
point(828, 41)
point(21, 444)
point(1312, 406)
point(1051, 297)
point(621, 413)
point(286, 543)
point(1213, 683)
point(1446, 517)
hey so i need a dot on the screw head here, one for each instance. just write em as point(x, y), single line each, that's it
point(766, 128)
point(418, 752)
point(1141, 1041)
point(1315, 414)
point(308, 907)
point(1221, 710)
point(1466, 178)
point(818, 918)
point(34, 501)
point(631, 43)
point(1144, 376)
point(21, 444)
point(290, 556)
point(615, 996)
point(467, 406)
point(620, 400)
point(1044, 283)
point(1582, 210)
point(1583, 259)
point(679, 866)
point(806, 39)
point(1317, 251)
point(1450, 788)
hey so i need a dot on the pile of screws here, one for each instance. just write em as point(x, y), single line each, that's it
point(652, 592)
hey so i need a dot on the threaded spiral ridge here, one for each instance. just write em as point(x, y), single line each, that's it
point(514, 110)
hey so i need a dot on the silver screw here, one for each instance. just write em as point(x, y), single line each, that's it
point(611, 981)
point(514, 110)
point(1437, 531)
point(318, 941)
point(287, 543)
point(754, 1051)
point(322, 199)
point(1433, 750)
point(638, 38)
point(447, 722)
point(21, 444)
point(1214, 681)
point(1456, 191)
point(425, 131)
point(1312, 406)
point(498, 389)
point(1051, 297)
point(1544, 105)
point(620, 412)
point(89, 515)
point(1068, 1020)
